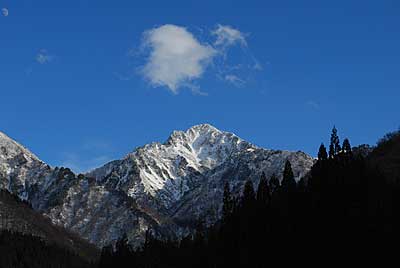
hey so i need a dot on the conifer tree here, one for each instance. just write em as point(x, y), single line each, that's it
point(274, 183)
point(331, 151)
point(302, 184)
point(288, 181)
point(249, 196)
point(263, 191)
point(335, 142)
point(322, 154)
point(346, 146)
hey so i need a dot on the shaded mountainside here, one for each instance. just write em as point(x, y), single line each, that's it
point(166, 187)
point(23, 250)
point(18, 216)
point(347, 212)
point(386, 156)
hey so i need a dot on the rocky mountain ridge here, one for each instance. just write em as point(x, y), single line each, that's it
point(165, 186)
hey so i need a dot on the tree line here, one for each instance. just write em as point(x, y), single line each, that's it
point(344, 205)
point(19, 250)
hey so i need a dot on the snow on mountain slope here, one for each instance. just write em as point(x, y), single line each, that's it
point(183, 178)
point(167, 170)
point(19, 168)
point(161, 186)
point(74, 202)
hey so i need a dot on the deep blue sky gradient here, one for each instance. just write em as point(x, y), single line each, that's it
point(324, 63)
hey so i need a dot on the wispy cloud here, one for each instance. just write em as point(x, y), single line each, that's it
point(176, 57)
point(228, 36)
point(235, 80)
point(43, 57)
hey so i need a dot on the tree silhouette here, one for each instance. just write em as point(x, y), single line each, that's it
point(263, 191)
point(288, 181)
point(331, 151)
point(335, 142)
point(249, 196)
point(346, 146)
point(274, 183)
point(322, 154)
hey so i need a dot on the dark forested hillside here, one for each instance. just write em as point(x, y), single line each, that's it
point(20, 223)
point(386, 156)
point(19, 250)
point(346, 205)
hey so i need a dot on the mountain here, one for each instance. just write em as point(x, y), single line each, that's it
point(19, 168)
point(19, 217)
point(164, 186)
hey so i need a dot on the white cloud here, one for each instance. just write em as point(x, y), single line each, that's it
point(43, 57)
point(228, 36)
point(176, 57)
point(235, 80)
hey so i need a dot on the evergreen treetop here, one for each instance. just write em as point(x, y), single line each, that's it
point(249, 195)
point(274, 183)
point(322, 154)
point(263, 191)
point(346, 146)
point(335, 142)
point(288, 181)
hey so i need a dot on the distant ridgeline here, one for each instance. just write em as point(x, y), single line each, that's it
point(348, 204)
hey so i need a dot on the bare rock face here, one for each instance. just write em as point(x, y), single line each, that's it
point(165, 187)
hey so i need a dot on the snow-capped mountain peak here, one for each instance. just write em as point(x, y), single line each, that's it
point(205, 144)
point(163, 169)
point(159, 185)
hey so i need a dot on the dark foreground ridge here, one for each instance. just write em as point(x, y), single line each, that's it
point(28, 237)
point(22, 250)
point(347, 210)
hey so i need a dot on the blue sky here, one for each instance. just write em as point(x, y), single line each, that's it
point(84, 82)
